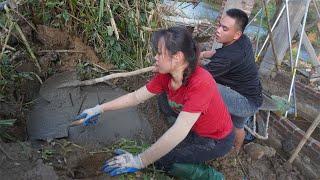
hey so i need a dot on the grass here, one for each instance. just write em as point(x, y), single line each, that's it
point(135, 148)
point(7, 122)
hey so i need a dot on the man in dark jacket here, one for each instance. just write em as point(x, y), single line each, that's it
point(234, 69)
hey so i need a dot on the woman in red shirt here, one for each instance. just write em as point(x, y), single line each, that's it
point(203, 128)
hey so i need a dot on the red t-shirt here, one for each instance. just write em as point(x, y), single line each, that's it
point(200, 94)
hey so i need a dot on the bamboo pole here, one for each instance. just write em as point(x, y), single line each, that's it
point(7, 39)
point(292, 86)
point(113, 23)
point(24, 39)
point(271, 36)
point(272, 28)
point(291, 56)
point(305, 138)
point(105, 78)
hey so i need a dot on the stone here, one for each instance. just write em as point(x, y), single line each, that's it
point(257, 151)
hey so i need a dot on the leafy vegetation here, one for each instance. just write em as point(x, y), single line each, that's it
point(118, 30)
point(10, 78)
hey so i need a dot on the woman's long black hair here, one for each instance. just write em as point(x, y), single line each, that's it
point(179, 39)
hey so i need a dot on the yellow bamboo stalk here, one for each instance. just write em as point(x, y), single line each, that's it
point(24, 39)
point(7, 39)
point(113, 23)
point(305, 138)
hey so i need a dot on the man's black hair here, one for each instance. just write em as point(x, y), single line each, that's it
point(240, 17)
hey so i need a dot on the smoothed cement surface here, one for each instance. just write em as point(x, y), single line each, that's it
point(54, 110)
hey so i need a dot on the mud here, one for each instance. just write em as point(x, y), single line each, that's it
point(244, 167)
point(55, 39)
point(56, 108)
point(22, 162)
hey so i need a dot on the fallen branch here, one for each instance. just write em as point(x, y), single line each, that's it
point(61, 51)
point(105, 78)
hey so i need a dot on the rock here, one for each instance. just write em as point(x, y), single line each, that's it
point(269, 151)
point(257, 151)
point(254, 150)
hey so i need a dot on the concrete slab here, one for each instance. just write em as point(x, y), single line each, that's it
point(113, 125)
point(56, 108)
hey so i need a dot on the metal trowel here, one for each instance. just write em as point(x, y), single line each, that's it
point(76, 123)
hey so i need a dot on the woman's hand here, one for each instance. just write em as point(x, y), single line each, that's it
point(125, 162)
point(90, 116)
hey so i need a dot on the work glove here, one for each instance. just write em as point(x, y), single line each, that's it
point(124, 162)
point(207, 54)
point(90, 115)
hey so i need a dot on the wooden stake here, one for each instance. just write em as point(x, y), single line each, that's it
point(105, 78)
point(305, 138)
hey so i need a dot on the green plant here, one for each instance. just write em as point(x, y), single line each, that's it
point(46, 154)
point(86, 71)
point(7, 122)
point(4, 124)
point(130, 146)
point(124, 43)
point(10, 78)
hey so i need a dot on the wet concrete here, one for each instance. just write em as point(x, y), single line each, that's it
point(56, 108)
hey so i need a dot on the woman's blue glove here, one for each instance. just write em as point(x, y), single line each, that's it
point(90, 115)
point(125, 162)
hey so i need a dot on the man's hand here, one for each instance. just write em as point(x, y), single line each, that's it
point(90, 115)
point(206, 54)
point(125, 162)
